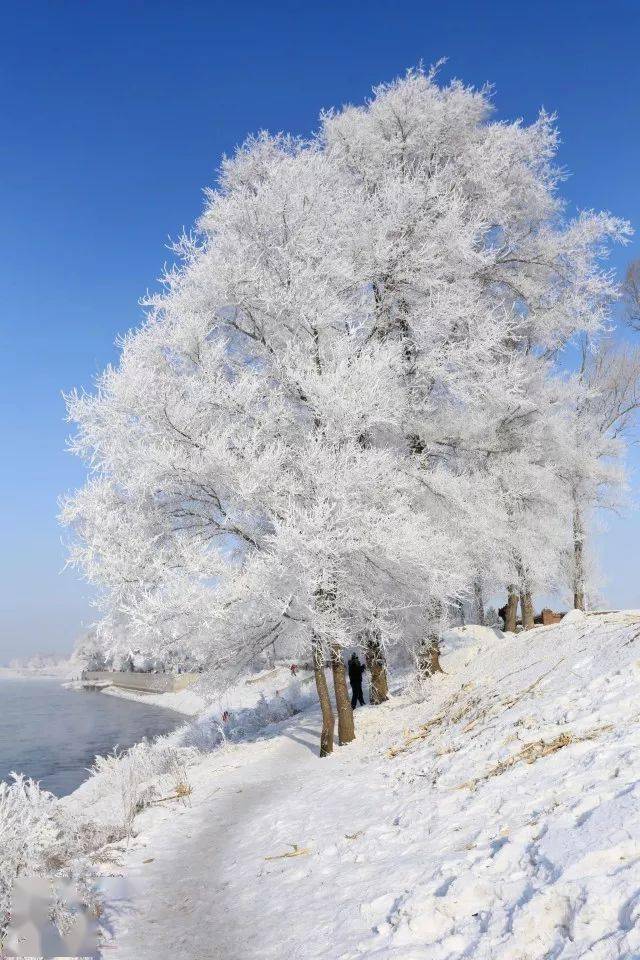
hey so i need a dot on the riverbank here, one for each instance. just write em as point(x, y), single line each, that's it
point(203, 695)
point(187, 702)
point(493, 812)
point(53, 735)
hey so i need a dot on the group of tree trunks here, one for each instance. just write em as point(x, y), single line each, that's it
point(428, 663)
point(379, 690)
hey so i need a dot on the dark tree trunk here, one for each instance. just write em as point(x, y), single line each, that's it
point(346, 729)
point(578, 559)
point(479, 602)
point(511, 610)
point(429, 657)
point(328, 719)
point(377, 666)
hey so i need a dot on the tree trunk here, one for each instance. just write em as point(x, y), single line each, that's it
point(578, 560)
point(429, 657)
point(346, 729)
point(479, 602)
point(428, 654)
point(377, 666)
point(526, 609)
point(511, 610)
point(328, 719)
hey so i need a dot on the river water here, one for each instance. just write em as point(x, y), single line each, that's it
point(53, 734)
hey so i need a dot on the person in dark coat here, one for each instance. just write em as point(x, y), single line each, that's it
point(356, 669)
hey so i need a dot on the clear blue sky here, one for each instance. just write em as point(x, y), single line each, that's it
point(115, 115)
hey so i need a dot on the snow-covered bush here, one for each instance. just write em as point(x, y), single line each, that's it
point(36, 838)
point(213, 727)
point(135, 777)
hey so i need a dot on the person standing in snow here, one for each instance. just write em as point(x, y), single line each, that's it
point(356, 669)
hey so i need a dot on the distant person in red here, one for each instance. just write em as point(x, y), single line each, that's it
point(356, 669)
point(294, 668)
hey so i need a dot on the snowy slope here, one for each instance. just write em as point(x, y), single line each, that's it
point(496, 817)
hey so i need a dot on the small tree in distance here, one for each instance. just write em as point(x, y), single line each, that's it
point(607, 400)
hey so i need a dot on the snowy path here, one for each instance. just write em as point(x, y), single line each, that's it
point(199, 852)
point(504, 824)
point(210, 894)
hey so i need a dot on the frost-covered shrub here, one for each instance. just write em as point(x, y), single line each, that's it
point(36, 839)
point(135, 777)
point(212, 727)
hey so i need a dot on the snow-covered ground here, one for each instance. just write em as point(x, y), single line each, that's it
point(497, 816)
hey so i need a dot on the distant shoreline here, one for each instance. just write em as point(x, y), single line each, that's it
point(11, 673)
point(185, 702)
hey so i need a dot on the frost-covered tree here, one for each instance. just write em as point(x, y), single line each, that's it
point(474, 269)
point(234, 498)
point(631, 295)
point(335, 414)
point(606, 399)
point(90, 652)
